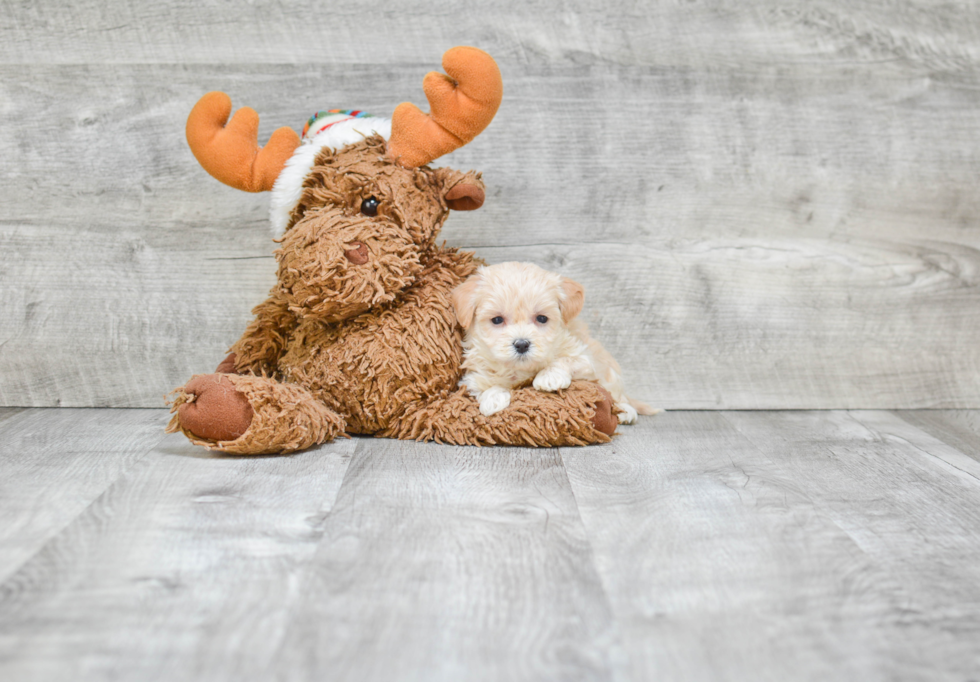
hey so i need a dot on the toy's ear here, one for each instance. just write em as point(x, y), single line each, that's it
point(464, 301)
point(572, 299)
point(462, 191)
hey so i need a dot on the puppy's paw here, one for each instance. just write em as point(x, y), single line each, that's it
point(550, 379)
point(627, 414)
point(494, 399)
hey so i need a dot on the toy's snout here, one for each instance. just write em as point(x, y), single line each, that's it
point(334, 266)
point(357, 254)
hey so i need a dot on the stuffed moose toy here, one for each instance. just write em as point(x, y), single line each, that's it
point(358, 334)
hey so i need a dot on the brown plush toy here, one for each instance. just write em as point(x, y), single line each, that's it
point(358, 335)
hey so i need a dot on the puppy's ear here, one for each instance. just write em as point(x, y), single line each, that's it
point(572, 299)
point(464, 301)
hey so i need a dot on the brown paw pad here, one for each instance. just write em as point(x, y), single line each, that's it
point(218, 411)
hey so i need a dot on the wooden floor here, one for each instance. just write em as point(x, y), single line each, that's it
point(840, 545)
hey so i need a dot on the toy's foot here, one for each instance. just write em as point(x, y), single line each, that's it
point(245, 414)
point(582, 414)
point(604, 420)
point(217, 410)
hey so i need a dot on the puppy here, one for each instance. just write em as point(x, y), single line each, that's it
point(521, 325)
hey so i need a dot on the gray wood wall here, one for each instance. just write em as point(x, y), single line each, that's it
point(772, 205)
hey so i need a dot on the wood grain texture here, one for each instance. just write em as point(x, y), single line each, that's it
point(55, 463)
point(775, 546)
point(374, 31)
point(890, 428)
point(10, 412)
point(696, 546)
point(443, 563)
point(185, 568)
point(912, 506)
point(771, 207)
point(958, 428)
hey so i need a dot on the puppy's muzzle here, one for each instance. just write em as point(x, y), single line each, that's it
point(522, 346)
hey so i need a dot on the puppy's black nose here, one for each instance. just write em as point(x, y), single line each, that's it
point(522, 346)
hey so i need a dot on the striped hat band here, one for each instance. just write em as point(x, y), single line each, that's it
point(322, 120)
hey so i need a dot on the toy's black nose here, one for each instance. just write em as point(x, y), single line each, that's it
point(522, 346)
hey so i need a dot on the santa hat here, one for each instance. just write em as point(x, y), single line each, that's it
point(333, 128)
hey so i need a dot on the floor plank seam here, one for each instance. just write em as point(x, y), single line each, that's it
point(944, 462)
point(622, 661)
point(54, 537)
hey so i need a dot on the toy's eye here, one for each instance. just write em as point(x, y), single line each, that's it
point(542, 319)
point(497, 320)
point(369, 206)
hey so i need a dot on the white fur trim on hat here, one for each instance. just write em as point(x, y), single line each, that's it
point(288, 188)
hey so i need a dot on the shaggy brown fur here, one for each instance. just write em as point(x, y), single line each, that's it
point(372, 346)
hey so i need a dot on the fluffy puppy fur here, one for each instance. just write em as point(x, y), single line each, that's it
point(522, 325)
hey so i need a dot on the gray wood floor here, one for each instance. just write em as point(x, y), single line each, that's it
point(840, 545)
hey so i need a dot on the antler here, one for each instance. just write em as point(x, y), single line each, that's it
point(463, 104)
point(231, 153)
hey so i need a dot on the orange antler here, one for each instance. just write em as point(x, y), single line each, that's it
point(231, 153)
point(463, 103)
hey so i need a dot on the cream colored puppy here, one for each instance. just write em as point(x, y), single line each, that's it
point(521, 325)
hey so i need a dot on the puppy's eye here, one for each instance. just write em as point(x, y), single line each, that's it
point(497, 320)
point(369, 206)
point(542, 319)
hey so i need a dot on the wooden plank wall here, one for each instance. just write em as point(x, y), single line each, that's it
point(772, 205)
